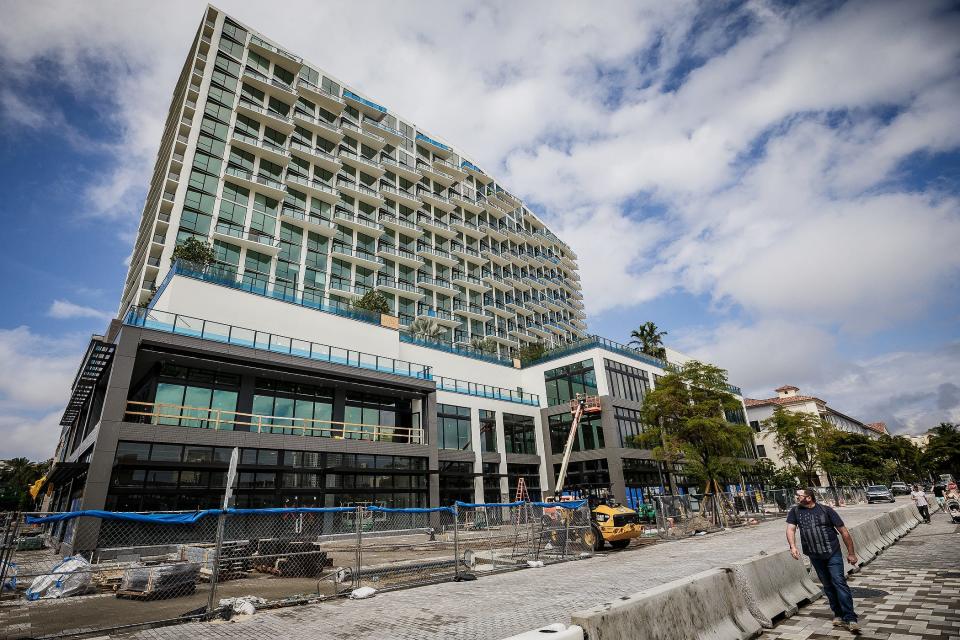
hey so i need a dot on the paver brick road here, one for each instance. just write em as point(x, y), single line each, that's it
point(499, 606)
point(916, 592)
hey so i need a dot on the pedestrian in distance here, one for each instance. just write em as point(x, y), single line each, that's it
point(819, 526)
point(939, 492)
point(920, 498)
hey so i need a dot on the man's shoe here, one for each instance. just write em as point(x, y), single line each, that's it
point(837, 622)
point(852, 627)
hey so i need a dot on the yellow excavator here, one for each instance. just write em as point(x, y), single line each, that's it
point(609, 521)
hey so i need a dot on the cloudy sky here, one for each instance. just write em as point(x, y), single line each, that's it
point(777, 186)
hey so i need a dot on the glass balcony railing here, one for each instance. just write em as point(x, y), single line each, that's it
point(486, 391)
point(433, 142)
point(368, 103)
point(234, 335)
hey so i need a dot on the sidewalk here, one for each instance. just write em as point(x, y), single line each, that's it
point(495, 607)
point(915, 592)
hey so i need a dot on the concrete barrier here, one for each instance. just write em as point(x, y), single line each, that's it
point(704, 606)
point(866, 550)
point(887, 525)
point(915, 514)
point(774, 585)
point(902, 519)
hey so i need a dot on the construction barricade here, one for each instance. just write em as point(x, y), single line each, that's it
point(774, 586)
point(145, 569)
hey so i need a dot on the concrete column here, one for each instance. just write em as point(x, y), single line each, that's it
point(477, 458)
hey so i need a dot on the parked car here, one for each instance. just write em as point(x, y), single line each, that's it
point(900, 489)
point(879, 493)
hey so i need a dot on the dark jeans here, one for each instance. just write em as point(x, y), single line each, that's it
point(924, 512)
point(834, 581)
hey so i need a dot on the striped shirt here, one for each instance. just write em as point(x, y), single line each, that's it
point(818, 529)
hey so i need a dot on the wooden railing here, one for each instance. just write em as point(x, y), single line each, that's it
point(168, 414)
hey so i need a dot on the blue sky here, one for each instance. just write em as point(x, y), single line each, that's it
point(774, 184)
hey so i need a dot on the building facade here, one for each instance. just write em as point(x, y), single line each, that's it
point(329, 404)
point(789, 398)
point(311, 192)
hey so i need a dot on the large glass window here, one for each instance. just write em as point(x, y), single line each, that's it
point(519, 434)
point(453, 427)
point(488, 431)
point(456, 482)
point(585, 475)
point(377, 417)
point(196, 398)
point(629, 426)
point(629, 383)
point(294, 409)
point(564, 383)
point(589, 433)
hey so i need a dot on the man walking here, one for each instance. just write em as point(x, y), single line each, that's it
point(920, 498)
point(939, 491)
point(819, 526)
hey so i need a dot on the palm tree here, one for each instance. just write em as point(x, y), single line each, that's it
point(16, 476)
point(425, 329)
point(649, 339)
point(483, 345)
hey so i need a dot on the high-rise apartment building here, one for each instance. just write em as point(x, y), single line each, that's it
point(311, 192)
point(312, 196)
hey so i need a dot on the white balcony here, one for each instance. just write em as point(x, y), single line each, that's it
point(467, 281)
point(436, 226)
point(367, 107)
point(270, 86)
point(499, 309)
point(449, 168)
point(260, 183)
point(360, 191)
point(468, 254)
point(475, 171)
point(472, 311)
point(310, 223)
point(318, 126)
point(266, 116)
point(466, 203)
point(437, 255)
point(320, 96)
point(392, 135)
point(358, 162)
point(365, 136)
point(440, 202)
point(250, 239)
point(316, 188)
point(401, 196)
point(435, 146)
point(400, 225)
point(402, 169)
point(357, 255)
point(315, 155)
point(440, 316)
point(355, 222)
point(436, 175)
point(260, 147)
point(274, 53)
point(496, 282)
point(399, 287)
point(440, 285)
point(464, 226)
point(400, 256)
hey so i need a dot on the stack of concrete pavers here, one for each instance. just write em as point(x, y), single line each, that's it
point(735, 601)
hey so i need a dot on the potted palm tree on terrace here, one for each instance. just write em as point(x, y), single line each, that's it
point(425, 329)
point(649, 339)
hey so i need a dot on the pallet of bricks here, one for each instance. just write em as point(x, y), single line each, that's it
point(159, 581)
point(234, 560)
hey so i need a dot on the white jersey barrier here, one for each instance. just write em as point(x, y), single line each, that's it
point(774, 585)
point(703, 606)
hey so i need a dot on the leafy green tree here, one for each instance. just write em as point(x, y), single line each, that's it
point(773, 477)
point(799, 436)
point(425, 329)
point(942, 454)
point(373, 301)
point(649, 339)
point(686, 414)
point(16, 476)
point(855, 458)
point(194, 252)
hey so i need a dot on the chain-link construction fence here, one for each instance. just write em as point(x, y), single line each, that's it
point(156, 568)
point(690, 514)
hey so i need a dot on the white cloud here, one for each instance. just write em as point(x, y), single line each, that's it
point(36, 372)
point(765, 178)
point(64, 309)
